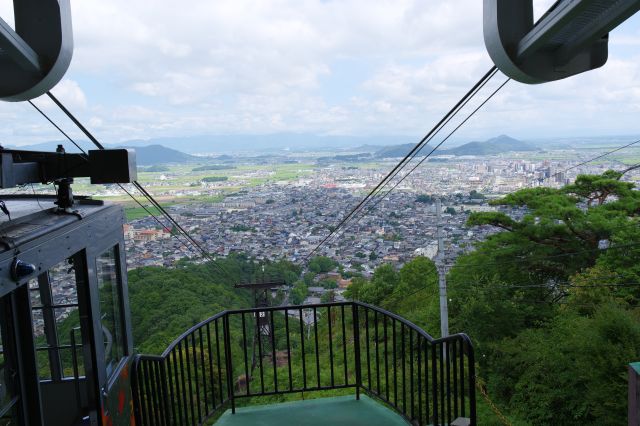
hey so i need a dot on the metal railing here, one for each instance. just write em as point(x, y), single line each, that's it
point(277, 350)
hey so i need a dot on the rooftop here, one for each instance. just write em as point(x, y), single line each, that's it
point(341, 410)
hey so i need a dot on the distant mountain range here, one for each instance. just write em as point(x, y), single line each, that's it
point(493, 146)
point(158, 154)
point(145, 155)
point(381, 146)
point(294, 142)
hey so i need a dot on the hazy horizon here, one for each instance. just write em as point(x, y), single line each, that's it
point(315, 67)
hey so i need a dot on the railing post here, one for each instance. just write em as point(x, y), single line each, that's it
point(135, 390)
point(165, 392)
point(228, 362)
point(356, 345)
point(434, 384)
point(472, 382)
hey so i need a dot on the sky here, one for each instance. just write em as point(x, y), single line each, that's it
point(158, 68)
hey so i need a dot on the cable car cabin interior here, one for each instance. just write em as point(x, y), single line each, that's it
point(64, 312)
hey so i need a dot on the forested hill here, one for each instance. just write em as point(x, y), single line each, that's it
point(158, 154)
point(498, 145)
point(166, 302)
point(551, 303)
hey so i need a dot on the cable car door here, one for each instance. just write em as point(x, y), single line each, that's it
point(107, 276)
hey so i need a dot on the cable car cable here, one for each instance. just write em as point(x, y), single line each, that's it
point(407, 162)
point(344, 225)
point(194, 245)
point(380, 199)
point(400, 165)
point(135, 183)
point(58, 127)
point(417, 147)
point(84, 153)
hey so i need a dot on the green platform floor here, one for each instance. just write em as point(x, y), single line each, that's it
point(336, 411)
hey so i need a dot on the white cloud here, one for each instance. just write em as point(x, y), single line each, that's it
point(158, 68)
point(70, 94)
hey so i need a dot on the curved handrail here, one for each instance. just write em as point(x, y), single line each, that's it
point(202, 365)
point(289, 307)
point(430, 339)
point(190, 331)
point(221, 314)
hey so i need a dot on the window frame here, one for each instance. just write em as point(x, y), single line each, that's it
point(116, 365)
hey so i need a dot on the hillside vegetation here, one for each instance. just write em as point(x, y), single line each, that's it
point(166, 302)
point(551, 303)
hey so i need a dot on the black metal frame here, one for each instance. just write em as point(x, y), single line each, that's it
point(51, 239)
point(351, 345)
point(9, 366)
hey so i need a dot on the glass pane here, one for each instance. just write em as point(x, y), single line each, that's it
point(6, 389)
point(67, 322)
point(38, 322)
point(111, 315)
point(55, 314)
point(10, 417)
point(66, 358)
point(44, 365)
point(38, 325)
point(34, 292)
point(63, 284)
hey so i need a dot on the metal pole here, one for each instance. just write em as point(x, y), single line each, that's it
point(444, 309)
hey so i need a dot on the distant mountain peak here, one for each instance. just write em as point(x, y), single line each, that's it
point(496, 145)
point(157, 154)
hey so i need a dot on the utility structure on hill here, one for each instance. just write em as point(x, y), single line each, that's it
point(263, 327)
point(442, 274)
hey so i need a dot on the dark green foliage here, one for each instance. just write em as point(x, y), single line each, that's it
point(330, 284)
point(298, 293)
point(242, 228)
point(554, 354)
point(388, 286)
point(475, 195)
point(212, 167)
point(320, 264)
point(328, 297)
point(424, 198)
point(215, 179)
point(166, 302)
point(156, 168)
point(308, 278)
point(571, 372)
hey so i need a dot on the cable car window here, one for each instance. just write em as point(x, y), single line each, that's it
point(54, 304)
point(110, 307)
